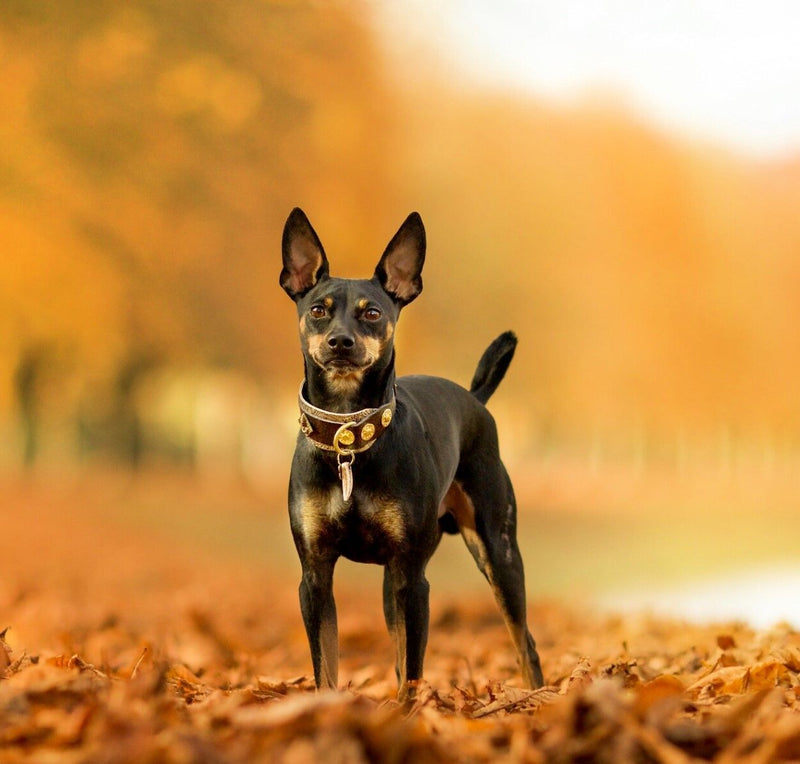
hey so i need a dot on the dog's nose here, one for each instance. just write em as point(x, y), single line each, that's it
point(341, 341)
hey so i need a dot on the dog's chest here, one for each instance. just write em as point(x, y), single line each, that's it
point(366, 528)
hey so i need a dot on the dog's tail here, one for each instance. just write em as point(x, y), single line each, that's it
point(493, 366)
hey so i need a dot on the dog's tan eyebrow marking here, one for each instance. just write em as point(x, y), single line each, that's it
point(328, 302)
point(362, 303)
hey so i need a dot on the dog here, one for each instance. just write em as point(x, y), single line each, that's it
point(384, 466)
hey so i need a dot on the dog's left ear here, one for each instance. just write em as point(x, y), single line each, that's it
point(399, 270)
point(304, 260)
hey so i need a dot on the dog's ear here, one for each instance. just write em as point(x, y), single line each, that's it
point(399, 270)
point(304, 261)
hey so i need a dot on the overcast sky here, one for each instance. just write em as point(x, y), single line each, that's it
point(728, 70)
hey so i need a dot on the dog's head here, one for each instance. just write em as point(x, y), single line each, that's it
point(347, 325)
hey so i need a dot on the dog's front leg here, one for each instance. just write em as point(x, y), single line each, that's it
point(319, 615)
point(405, 605)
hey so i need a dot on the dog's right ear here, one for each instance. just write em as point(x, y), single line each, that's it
point(304, 261)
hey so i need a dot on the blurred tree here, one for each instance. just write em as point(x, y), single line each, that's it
point(149, 154)
point(27, 384)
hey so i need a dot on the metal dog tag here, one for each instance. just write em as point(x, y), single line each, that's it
point(346, 476)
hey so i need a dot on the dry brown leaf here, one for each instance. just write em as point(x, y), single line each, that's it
point(512, 698)
point(789, 656)
point(725, 641)
point(650, 694)
point(624, 669)
point(579, 678)
point(187, 684)
point(44, 680)
point(736, 680)
point(730, 679)
point(5, 653)
point(465, 701)
point(766, 676)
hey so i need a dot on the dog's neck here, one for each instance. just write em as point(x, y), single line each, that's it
point(371, 388)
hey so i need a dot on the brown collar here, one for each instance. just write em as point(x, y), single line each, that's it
point(344, 434)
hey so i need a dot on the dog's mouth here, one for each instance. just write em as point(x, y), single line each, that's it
point(342, 364)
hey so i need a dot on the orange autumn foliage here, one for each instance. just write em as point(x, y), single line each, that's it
point(150, 155)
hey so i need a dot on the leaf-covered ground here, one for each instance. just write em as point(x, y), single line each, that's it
point(122, 644)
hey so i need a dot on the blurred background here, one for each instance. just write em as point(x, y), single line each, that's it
point(618, 182)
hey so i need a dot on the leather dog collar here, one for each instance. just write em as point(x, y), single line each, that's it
point(344, 434)
point(348, 433)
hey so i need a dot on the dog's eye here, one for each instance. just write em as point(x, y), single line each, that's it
point(372, 314)
point(317, 311)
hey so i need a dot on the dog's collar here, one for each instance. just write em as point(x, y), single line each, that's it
point(348, 433)
point(345, 434)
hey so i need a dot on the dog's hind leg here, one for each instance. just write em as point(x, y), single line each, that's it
point(319, 616)
point(486, 516)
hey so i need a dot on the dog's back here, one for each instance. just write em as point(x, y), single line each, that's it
point(450, 415)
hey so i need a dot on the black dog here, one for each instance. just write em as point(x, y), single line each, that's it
point(382, 466)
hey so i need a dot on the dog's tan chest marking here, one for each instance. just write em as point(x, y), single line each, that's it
point(388, 515)
point(373, 521)
point(317, 509)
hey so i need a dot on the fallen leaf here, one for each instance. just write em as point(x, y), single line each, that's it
point(650, 694)
point(5, 653)
point(511, 698)
point(725, 641)
point(579, 678)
